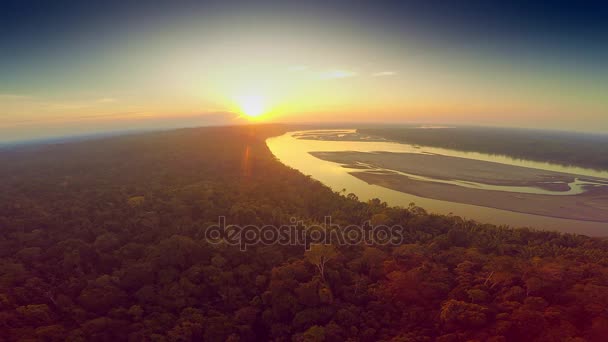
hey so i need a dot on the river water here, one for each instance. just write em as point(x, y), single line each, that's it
point(293, 151)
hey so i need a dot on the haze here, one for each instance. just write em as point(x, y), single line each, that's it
point(90, 67)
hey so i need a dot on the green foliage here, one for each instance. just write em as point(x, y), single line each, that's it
point(585, 150)
point(103, 240)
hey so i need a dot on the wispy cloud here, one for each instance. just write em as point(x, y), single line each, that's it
point(384, 73)
point(8, 96)
point(295, 68)
point(106, 100)
point(75, 118)
point(335, 74)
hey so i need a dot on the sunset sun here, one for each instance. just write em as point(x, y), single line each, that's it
point(304, 170)
point(252, 106)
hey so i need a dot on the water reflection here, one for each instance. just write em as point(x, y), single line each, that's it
point(293, 150)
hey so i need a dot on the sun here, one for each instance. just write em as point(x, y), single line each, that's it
point(252, 106)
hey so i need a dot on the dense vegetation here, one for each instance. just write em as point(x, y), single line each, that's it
point(566, 148)
point(100, 240)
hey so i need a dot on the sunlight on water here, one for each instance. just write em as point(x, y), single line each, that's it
point(293, 151)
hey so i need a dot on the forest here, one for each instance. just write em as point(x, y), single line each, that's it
point(101, 240)
point(565, 148)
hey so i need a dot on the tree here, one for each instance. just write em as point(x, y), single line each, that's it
point(319, 255)
point(456, 313)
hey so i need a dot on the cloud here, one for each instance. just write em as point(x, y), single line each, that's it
point(106, 100)
point(6, 96)
point(335, 74)
point(295, 68)
point(80, 104)
point(384, 73)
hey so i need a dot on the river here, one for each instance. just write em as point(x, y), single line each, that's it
point(294, 151)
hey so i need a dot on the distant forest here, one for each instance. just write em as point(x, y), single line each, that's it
point(576, 149)
point(100, 241)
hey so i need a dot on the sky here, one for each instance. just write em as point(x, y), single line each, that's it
point(79, 67)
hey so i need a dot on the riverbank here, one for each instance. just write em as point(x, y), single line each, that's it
point(590, 205)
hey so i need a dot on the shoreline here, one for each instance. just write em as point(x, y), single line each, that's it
point(542, 205)
point(552, 200)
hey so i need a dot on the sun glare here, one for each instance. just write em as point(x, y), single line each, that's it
point(252, 106)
